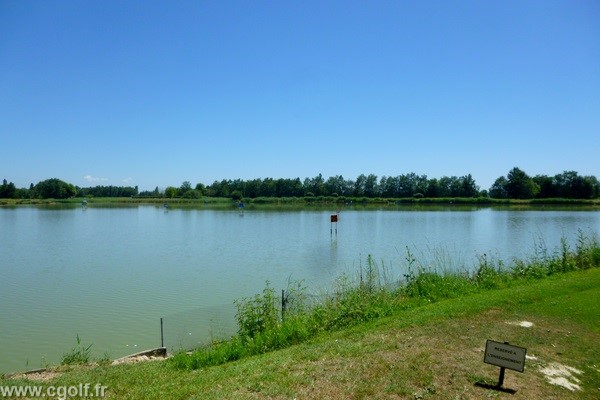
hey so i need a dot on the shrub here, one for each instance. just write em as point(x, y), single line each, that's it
point(78, 355)
point(488, 276)
point(258, 314)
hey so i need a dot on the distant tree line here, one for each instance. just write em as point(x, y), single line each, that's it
point(48, 189)
point(108, 191)
point(407, 185)
point(515, 185)
point(55, 188)
point(569, 185)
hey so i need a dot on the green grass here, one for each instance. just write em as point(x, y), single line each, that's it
point(431, 351)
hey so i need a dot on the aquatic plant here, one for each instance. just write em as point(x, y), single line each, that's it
point(79, 354)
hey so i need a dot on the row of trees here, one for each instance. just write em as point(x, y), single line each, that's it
point(515, 185)
point(569, 184)
point(48, 189)
point(108, 191)
point(57, 189)
point(407, 185)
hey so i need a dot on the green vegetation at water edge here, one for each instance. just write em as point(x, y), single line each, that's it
point(423, 350)
point(264, 327)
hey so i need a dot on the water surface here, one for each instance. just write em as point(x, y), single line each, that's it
point(109, 274)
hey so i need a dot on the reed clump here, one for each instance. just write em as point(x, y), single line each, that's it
point(266, 323)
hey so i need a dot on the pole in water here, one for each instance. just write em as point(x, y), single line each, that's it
point(283, 304)
point(333, 218)
point(162, 337)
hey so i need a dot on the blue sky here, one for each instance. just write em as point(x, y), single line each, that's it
point(154, 93)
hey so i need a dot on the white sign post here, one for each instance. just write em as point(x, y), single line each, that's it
point(504, 356)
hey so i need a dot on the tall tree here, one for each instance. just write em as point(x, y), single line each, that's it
point(336, 185)
point(520, 185)
point(185, 186)
point(7, 190)
point(468, 186)
point(546, 185)
point(371, 187)
point(498, 189)
point(359, 186)
point(315, 185)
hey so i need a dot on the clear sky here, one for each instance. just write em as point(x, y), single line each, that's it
point(154, 93)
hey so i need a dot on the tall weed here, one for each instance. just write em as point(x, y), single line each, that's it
point(371, 295)
point(78, 355)
point(257, 314)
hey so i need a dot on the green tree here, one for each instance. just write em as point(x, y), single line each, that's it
point(8, 190)
point(297, 188)
point(570, 184)
point(267, 187)
point(252, 188)
point(337, 185)
point(371, 187)
point(520, 185)
point(171, 192)
point(498, 189)
point(594, 186)
point(359, 186)
point(433, 188)
point(421, 184)
point(200, 188)
point(546, 185)
point(185, 186)
point(388, 186)
point(54, 189)
point(315, 185)
point(468, 187)
point(406, 185)
point(236, 195)
point(445, 186)
point(219, 189)
point(192, 194)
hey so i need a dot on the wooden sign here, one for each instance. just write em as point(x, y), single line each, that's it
point(334, 218)
point(505, 355)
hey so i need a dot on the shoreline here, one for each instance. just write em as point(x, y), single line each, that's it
point(308, 202)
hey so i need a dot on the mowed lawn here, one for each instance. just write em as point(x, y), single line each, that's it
point(432, 351)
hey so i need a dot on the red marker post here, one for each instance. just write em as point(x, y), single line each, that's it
point(334, 219)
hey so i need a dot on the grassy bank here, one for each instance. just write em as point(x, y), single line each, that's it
point(120, 201)
point(371, 339)
point(309, 201)
point(432, 351)
point(372, 295)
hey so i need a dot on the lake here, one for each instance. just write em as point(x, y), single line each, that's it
point(109, 274)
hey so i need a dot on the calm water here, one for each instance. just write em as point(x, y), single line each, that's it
point(109, 274)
